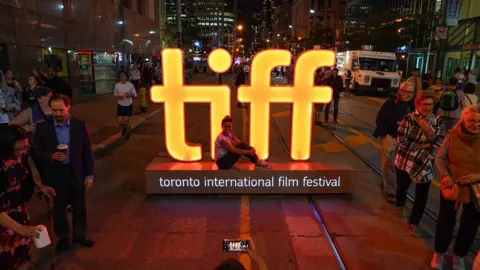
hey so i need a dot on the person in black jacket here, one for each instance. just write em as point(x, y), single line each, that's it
point(388, 118)
point(336, 82)
point(69, 172)
point(57, 84)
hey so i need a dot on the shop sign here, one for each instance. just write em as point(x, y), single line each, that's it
point(103, 58)
point(441, 33)
point(303, 94)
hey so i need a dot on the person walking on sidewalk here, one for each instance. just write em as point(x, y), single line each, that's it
point(28, 99)
point(336, 82)
point(57, 84)
point(451, 104)
point(457, 158)
point(124, 92)
point(64, 145)
point(419, 135)
point(9, 104)
point(388, 118)
point(135, 77)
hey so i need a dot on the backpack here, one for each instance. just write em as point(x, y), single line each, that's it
point(449, 101)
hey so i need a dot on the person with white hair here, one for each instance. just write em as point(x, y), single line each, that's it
point(389, 116)
point(458, 162)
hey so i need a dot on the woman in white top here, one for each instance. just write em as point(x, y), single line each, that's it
point(228, 148)
point(470, 96)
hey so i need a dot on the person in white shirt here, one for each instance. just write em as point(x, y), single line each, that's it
point(135, 77)
point(470, 96)
point(124, 92)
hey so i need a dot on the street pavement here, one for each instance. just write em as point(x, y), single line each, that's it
point(135, 231)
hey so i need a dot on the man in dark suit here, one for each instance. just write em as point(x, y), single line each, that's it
point(336, 82)
point(69, 172)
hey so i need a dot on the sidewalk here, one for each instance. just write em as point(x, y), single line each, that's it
point(100, 115)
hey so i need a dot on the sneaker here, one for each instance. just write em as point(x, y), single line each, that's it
point(263, 164)
point(458, 263)
point(437, 261)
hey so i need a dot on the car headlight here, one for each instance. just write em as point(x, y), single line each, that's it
point(395, 81)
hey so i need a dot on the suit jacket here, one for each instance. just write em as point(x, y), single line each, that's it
point(81, 156)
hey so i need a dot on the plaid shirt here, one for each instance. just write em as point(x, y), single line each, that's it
point(415, 153)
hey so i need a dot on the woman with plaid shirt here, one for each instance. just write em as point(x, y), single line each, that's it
point(420, 134)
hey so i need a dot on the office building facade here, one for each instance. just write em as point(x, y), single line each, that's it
point(87, 41)
point(320, 21)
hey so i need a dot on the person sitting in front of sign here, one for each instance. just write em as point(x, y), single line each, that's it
point(228, 148)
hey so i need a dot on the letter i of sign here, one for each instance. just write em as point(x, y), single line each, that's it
point(174, 94)
point(302, 94)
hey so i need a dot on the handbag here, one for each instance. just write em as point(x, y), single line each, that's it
point(449, 193)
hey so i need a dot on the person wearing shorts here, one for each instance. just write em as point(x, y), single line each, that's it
point(124, 93)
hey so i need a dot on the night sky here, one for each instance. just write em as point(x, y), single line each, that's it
point(245, 8)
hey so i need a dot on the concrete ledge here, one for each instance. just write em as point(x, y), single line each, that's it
point(164, 176)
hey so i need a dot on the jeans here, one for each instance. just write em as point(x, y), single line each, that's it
point(447, 217)
point(226, 162)
point(421, 195)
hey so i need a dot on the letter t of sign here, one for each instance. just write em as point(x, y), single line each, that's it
point(303, 94)
point(174, 94)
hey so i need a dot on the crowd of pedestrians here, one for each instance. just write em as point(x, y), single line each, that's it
point(430, 128)
point(43, 146)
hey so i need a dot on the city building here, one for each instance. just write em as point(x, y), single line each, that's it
point(214, 16)
point(87, 41)
point(321, 22)
point(356, 23)
point(282, 19)
point(189, 22)
point(405, 27)
point(462, 46)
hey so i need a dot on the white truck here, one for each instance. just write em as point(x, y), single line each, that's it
point(371, 71)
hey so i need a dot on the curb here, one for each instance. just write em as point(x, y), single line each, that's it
point(117, 138)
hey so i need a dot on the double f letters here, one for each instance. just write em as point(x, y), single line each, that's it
point(260, 93)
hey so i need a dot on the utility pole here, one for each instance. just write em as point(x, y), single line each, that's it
point(179, 23)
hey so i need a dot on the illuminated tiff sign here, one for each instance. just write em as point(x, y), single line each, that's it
point(260, 93)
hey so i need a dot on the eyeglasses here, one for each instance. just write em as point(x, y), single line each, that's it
point(406, 92)
point(473, 122)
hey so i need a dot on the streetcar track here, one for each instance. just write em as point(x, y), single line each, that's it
point(428, 212)
point(316, 212)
